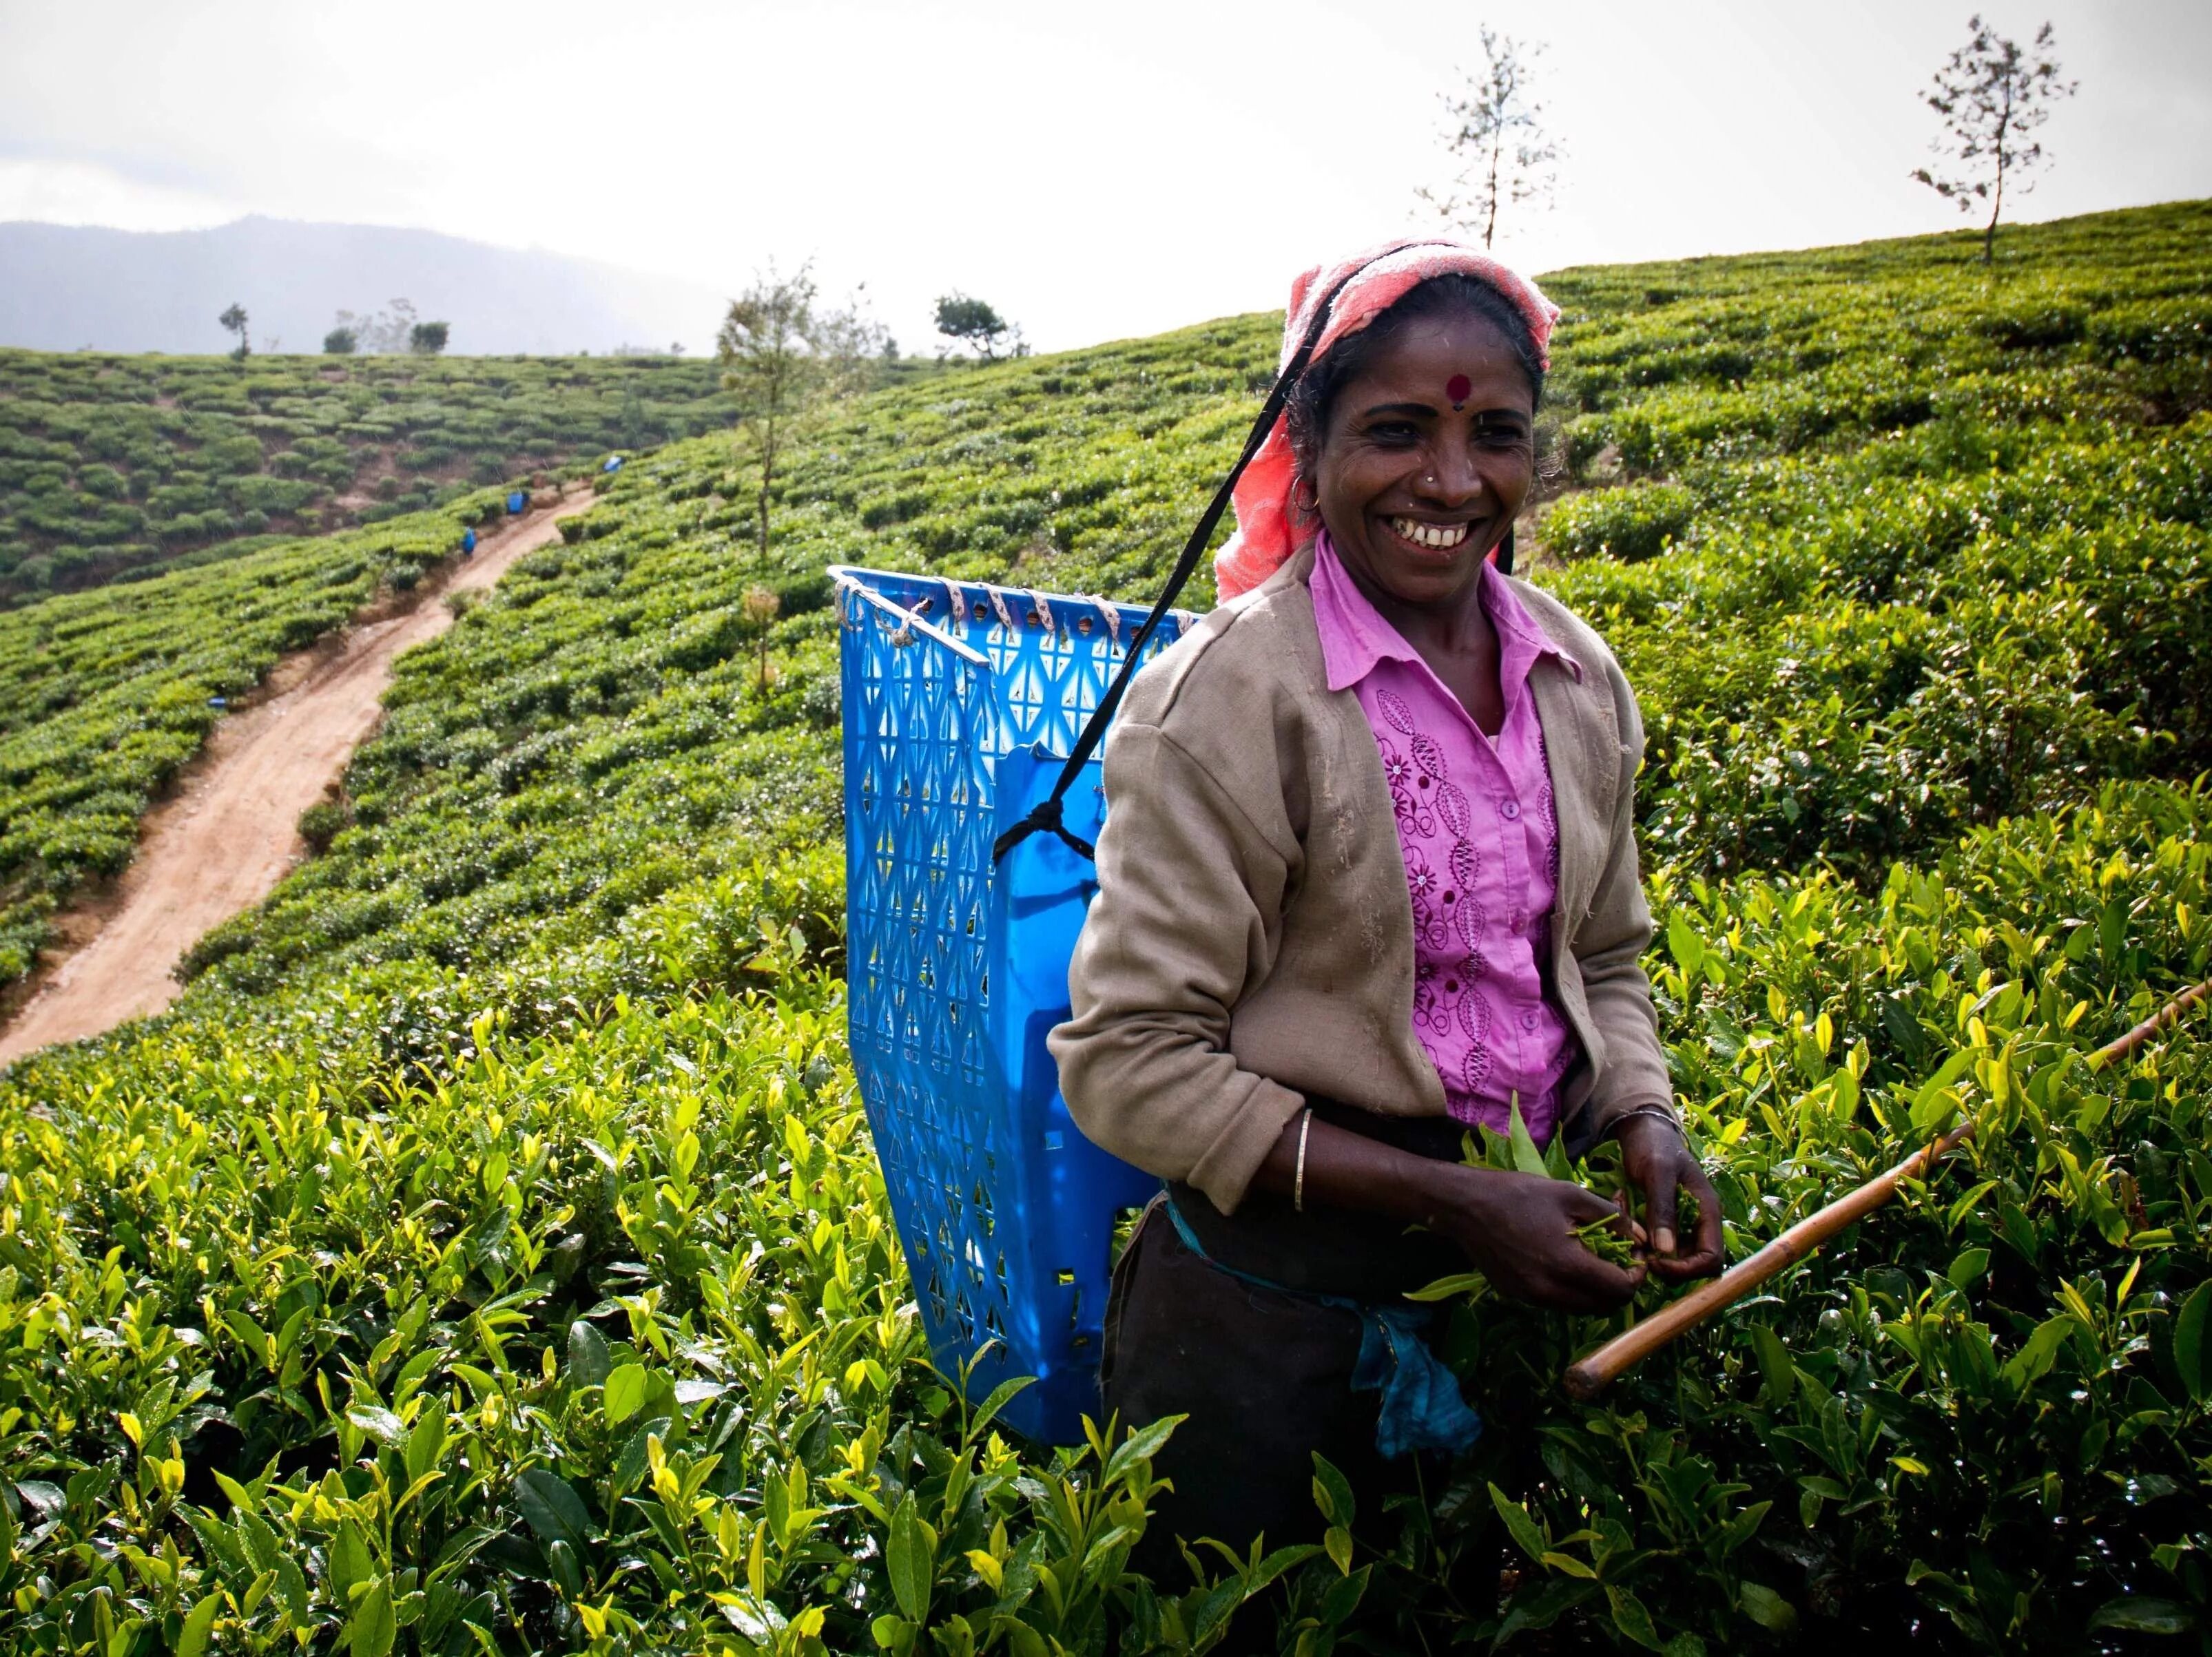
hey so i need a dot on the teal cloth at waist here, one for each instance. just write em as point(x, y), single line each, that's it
point(1422, 1409)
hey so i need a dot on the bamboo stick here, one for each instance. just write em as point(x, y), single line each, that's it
point(1587, 1379)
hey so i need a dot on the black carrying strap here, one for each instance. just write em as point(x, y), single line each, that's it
point(1046, 815)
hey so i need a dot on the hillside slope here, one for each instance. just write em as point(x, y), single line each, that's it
point(512, 1141)
point(104, 696)
point(111, 465)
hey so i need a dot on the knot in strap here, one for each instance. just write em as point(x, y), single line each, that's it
point(1043, 818)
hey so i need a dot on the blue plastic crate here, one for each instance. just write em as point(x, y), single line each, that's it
point(958, 699)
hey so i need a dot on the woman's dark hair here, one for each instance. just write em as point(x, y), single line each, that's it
point(1307, 408)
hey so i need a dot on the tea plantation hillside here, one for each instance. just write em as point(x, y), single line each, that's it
point(111, 464)
point(103, 695)
point(486, 1252)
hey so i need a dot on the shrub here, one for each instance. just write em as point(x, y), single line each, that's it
point(1630, 524)
point(322, 822)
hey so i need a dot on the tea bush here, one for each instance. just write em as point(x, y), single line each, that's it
point(486, 1252)
point(1630, 524)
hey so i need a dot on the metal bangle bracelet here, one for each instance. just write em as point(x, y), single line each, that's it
point(1298, 1181)
point(1613, 1128)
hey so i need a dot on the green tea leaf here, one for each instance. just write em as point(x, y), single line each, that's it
point(1140, 1446)
point(624, 1394)
point(911, 1559)
point(2112, 929)
point(292, 1583)
point(2192, 1351)
point(1344, 1596)
point(199, 1627)
point(1632, 1618)
point(349, 1561)
point(1766, 1608)
point(1338, 1542)
point(1471, 1284)
point(2036, 1355)
point(1333, 1492)
point(1001, 1395)
point(373, 1628)
point(428, 1440)
point(380, 1424)
point(552, 1508)
point(1967, 1271)
point(1527, 1159)
point(589, 1361)
point(1778, 1370)
point(1686, 946)
point(1526, 1536)
point(2134, 1614)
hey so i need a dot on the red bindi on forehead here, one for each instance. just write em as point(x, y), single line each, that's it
point(1459, 388)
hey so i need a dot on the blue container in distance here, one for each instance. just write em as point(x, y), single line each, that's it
point(958, 699)
point(613, 464)
point(516, 502)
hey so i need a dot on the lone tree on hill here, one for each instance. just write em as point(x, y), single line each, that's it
point(1991, 94)
point(426, 338)
point(785, 358)
point(971, 322)
point(340, 341)
point(1495, 132)
point(233, 321)
point(760, 607)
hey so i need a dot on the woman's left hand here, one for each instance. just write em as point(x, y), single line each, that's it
point(1659, 1164)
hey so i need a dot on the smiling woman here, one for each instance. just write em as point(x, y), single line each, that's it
point(1368, 879)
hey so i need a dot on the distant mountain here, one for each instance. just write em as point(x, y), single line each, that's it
point(66, 286)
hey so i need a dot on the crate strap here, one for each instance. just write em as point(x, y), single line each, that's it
point(1045, 816)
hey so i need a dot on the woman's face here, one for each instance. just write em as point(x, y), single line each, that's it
point(1427, 455)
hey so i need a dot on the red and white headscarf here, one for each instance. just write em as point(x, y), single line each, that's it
point(1265, 532)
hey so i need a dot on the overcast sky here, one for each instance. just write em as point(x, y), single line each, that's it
point(1096, 171)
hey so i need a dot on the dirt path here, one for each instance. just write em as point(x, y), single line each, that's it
point(230, 833)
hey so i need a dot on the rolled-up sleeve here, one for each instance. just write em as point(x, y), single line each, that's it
point(1188, 891)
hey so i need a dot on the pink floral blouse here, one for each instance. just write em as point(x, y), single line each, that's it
point(1481, 843)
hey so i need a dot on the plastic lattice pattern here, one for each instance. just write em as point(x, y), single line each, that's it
point(958, 696)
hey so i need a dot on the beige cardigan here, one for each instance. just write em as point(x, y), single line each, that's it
point(1252, 939)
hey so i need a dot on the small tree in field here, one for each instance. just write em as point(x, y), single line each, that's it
point(1495, 132)
point(426, 338)
point(785, 358)
point(233, 321)
point(340, 341)
point(973, 323)
point(760, 607)
point(1991, 95)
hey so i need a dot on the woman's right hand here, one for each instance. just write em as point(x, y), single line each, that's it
point(1519, 1231)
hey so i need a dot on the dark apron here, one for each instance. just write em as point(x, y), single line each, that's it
point(1263, 1373)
